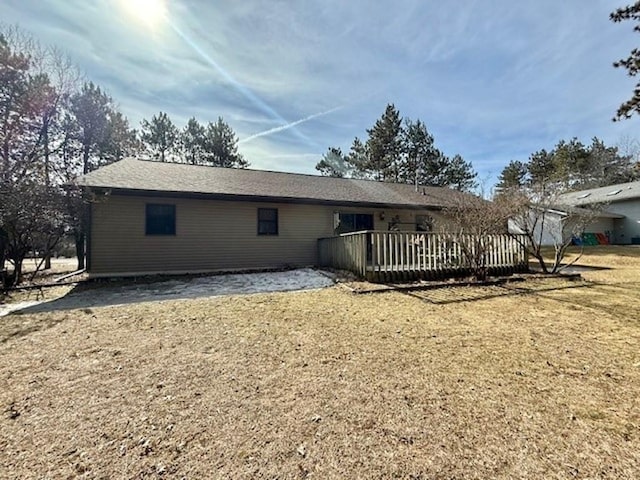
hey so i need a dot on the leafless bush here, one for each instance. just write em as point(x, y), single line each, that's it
point(473, 223)
point(538, 214)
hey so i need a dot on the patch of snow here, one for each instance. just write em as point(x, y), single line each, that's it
point(198, 287)
point(7, 308)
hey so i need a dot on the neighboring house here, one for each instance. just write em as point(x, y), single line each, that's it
point(558, 225)
point(153, 217)
point(615, 210)
point(620, 219)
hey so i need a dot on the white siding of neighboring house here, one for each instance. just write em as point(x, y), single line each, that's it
point(629, 227)
point(601, 225)
point(549, 233)
point(553, 234)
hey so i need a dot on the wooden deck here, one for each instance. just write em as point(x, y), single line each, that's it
point(392, 256)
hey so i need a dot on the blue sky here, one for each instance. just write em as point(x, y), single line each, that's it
point(494, 80)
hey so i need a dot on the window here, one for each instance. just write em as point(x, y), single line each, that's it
point(160, 219)
point(353, 222)
point(267, 221)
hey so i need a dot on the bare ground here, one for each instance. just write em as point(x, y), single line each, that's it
point(535, 380)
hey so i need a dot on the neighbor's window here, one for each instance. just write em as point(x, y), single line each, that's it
point(267, 221)
point(160, 219)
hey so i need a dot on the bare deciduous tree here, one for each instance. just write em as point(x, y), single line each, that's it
point(32, 217)
point(473, 225)
point(537, 212)
point(42, 149)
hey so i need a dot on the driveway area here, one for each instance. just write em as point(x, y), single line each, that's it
point(129, 291)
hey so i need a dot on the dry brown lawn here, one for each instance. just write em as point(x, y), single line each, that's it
point(539, 379)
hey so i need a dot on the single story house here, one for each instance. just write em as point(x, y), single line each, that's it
point(151, 217)
point(557, 225)
point(615, 210)
point(619, 217)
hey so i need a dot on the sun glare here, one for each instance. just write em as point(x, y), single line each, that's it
point(149, 12)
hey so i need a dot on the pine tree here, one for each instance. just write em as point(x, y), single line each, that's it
point(571, 166)
point(90, 109)
point(422, 161)
point(160, 137)
point(192, 142)
point(385, 145)
point(333, 164)
point(541, 167)
point(358, 159)
point(611, 166)
point(512, 176)
point(631, 63)
point(221, 146)
point(120, 139)
point(459, 174)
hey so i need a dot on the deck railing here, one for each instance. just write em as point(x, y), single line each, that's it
point(345, 252)
point(378, 255)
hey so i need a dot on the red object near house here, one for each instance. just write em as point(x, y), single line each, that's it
point(602, 239)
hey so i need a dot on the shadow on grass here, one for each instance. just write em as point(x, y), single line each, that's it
point(570, 270)
point(15, 327)
point(456, 294)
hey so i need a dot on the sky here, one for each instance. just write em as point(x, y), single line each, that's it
point(493, 80)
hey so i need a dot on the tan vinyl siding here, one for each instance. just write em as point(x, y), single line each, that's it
point(210, 235)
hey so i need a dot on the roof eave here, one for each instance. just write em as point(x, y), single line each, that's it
point(255, 198)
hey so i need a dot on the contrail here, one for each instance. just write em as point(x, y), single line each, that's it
point(288, 125)
point(248, 94)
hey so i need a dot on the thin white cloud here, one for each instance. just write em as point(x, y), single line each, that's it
point(287, 126)
point(493, 80)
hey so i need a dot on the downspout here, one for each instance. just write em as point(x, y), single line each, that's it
point(87, 252)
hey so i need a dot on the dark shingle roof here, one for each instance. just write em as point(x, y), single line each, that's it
point(133, 175)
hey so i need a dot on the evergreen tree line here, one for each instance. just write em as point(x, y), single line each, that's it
point(399, 151)
point(571, 165)
point(213, 144)
point(56, 125)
